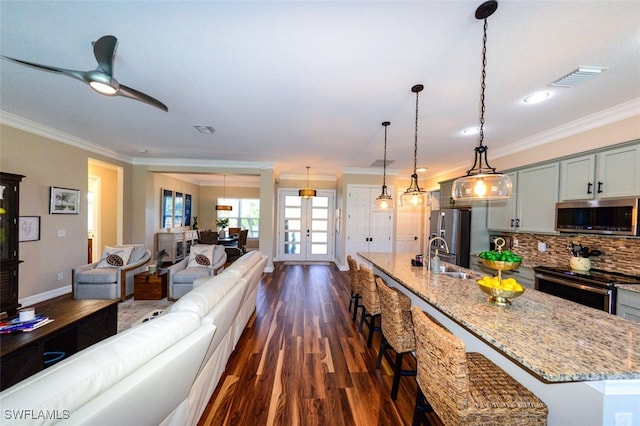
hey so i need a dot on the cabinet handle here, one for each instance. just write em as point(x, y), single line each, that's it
point(517, 223)
point(589, 185)
point(599, 187)
point(512, 220)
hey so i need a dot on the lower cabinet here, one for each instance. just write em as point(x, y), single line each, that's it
point(628, 305)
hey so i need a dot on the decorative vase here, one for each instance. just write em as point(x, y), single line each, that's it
point(580, 264)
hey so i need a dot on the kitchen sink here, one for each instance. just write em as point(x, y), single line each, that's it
point(456, 274)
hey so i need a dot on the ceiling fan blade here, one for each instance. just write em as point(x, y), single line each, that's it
point(142, 97)
point(104, 49)
point(78, 75)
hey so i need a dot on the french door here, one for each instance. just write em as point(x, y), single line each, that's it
point(306, 226)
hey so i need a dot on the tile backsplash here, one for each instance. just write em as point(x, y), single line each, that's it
point(619, 254)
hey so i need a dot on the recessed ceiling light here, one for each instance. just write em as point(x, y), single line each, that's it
point(537, 97)
point(471, 131)
point(143, 151)
point(421, 169)
point(205, 129)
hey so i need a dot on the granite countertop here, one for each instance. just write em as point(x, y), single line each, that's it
point(556, 340)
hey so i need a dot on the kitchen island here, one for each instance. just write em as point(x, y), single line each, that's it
point(583, 363)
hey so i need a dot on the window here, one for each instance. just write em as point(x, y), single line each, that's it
point(245, 214)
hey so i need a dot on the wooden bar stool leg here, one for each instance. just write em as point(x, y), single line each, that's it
point(383, 347)
point(397, 373)
point(356, 306)
point(372, 328)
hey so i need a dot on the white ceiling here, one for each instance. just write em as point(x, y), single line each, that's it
point(309, 83)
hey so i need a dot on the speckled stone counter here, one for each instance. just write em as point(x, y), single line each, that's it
point(552, 345)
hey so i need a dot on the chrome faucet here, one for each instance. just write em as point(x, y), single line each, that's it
point(446, 247)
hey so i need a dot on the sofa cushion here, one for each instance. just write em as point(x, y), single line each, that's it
point(206, 296)
point(77, 380)
point(200, 255)
point(189, 275)
point(97, 276)
point(115, 257)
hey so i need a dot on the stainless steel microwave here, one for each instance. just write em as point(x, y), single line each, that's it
point(616, 216)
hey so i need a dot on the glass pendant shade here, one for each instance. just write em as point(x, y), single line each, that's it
point(482, 186)
point(307, 192)
point(384, 202)
point(482, 182)
point(414, 195)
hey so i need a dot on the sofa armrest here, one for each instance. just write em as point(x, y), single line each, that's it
point(176, 267)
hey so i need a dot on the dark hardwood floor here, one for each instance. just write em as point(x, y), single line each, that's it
point(302, 361)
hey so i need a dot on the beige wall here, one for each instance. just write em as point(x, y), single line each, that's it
point(46, 163)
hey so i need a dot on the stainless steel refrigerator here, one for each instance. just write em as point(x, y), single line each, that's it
point(454, 226)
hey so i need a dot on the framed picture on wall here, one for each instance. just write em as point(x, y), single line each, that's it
point(167, 208)
point(178, 209)
point(187, 210)
point(29, 228)
point(64, 201)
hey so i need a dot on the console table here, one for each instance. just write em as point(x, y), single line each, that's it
point(77, 324)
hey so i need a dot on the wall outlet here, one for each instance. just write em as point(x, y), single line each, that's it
point(60, 276)
point(624, 419)
point(515, 243)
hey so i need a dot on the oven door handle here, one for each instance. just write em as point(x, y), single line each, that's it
point(597, 290)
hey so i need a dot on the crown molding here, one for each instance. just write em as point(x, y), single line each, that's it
point(21, 123)
point(368, 171)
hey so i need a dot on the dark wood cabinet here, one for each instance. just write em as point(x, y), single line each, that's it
point(9, 253)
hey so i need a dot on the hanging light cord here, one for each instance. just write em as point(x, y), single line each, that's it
point(384, 163)
point(415, 142)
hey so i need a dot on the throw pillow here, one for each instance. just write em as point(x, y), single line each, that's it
point(201, 256)
point(115, 257)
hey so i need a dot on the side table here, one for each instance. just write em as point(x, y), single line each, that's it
point(148, 286)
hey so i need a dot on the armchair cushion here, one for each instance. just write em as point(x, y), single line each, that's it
point(201, 256)
point(115, 257)
point(98, 275)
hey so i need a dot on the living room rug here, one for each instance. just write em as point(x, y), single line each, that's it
point(132, 312)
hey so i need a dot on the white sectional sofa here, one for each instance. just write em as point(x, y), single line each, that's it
point(161, 372)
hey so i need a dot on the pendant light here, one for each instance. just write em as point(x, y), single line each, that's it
point(224, 207)
point(384, 202)
point(414, 195)
point(482, 182)
point(307, 192)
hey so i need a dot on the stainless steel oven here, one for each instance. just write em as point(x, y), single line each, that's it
point(595, 288)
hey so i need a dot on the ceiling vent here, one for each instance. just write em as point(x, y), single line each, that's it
point(380, 163)
point(577, 76)
point(205, 129)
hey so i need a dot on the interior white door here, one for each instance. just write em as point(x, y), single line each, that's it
point(306, 231)
point(408, 230)
point(367, 230)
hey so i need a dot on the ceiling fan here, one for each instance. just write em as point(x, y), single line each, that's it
point(101, 79)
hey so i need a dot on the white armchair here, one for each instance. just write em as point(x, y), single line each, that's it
point(113, 276)
point(204, 261)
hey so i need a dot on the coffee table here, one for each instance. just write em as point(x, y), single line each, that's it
point(77, 324)
point(148, 286)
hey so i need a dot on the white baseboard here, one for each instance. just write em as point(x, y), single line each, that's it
point(37, 298)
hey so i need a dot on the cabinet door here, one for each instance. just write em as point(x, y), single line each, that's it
point(501, 214)
point(618, 174)
point(537, 196)
point(578, 178)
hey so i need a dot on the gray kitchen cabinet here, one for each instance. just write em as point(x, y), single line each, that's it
point(628, 305)
point(608, 174)
point(532, 207)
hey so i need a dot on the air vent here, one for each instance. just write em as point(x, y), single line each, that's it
point(380, 163)
point(577, 76)
point(205, 129)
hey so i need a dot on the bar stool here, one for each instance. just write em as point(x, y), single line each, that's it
point(356, 287)
point(397, 331)
point(371, 302)
point(466, 387)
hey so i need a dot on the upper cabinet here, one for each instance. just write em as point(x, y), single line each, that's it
point(608, 174)
point(532, 207)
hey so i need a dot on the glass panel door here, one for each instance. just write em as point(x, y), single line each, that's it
point(306, 230)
